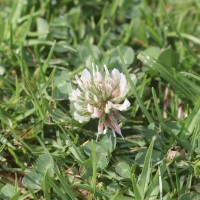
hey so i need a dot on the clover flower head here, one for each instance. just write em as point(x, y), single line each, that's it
point(98, 96)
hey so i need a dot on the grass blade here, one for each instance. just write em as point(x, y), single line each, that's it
point(46, 64)
point(136, 188)
point(155, 99)
point(134, 90)
point(174, 80)
point(65, 185)
point(145, 175)
point(154, 188)
point(94, 166)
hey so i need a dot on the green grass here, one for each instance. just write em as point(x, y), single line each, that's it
point(45, 153)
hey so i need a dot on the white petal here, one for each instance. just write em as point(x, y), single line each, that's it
point(96, 113)
point(78, 92)
point(123, 106)
point(108, 80)
point(95, 98)
point(106, 109)
point(90, 108)
point(124, 92)
point(108, 88)
point(77, 106)
point(86, 77)
point(80, 118)
point(79, 81)
point(87, 95)
point(109, 105)
point(73, 95)
point(100, 127)
point(123, 85)
point(116, 75)
point(99, 77)
point(123, 81)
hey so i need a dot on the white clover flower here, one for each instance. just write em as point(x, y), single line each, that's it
point(98, 96)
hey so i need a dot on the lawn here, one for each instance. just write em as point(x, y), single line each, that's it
point(100, 99)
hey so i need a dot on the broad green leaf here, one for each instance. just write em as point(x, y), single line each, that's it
point(120, 197)
point(8, 191)
point(61, 85)
point(153, 51)
point(76, 152)
point(108, 141)
point(123, 169)
point(174, 126)
point(113, 187)
point(17, 195)
point(42, 27)
point(128, 54)
point(185, 196)
point(86, 55)
point(140, 33)
point(112, 56)
point(45, 164)
point(57, 115)
point(101, 155)
point(155, 157)
point(86, 169)
point(154, 132)
point(33, 180)
point(169, 58)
